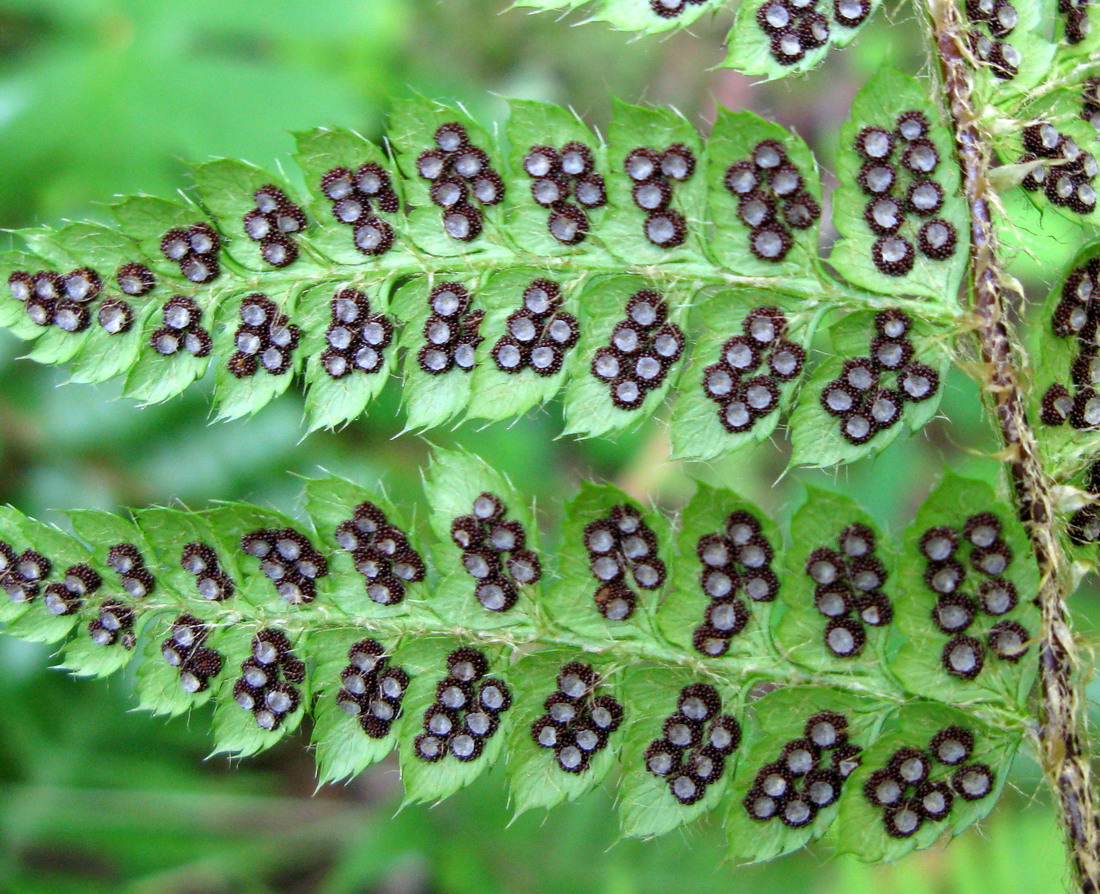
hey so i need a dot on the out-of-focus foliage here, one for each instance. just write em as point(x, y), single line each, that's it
point(107, 96)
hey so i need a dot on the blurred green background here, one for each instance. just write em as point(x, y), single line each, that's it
point(99, 97)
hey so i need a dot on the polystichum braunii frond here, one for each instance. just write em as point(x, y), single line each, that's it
point(647, 642)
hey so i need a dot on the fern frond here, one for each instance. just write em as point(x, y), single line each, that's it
point(506, 272)
point(631, 645)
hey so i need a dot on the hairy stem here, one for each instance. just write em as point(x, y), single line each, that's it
point(1062, 733)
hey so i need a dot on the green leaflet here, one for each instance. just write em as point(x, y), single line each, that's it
point(413, 125)
point(878, 104)
point(1067, 112)
point(590, 409)
point(629, 231)
point(920, 662)
point(236, 731)
point(261, 585)
point(496, 394)
point(228, 190)
point(697, 429)
point(795, 42)
point(828, 521)
point(160, 685)
point(23, 618)
point(1060, 398)
point(536, 774)
point(606, 601)
point(482, 587)
point(732, 141)
point(723, 610)
point(426, 661)
point(862, 824)
point(324, 150)
point(13, 313)
point(268, 365)
point(344, 747)
point(430, 399)
point(107, 642)
point(779, 718)
point(103, 353)
point(818, 437)
point(334, 401)
point(333, 505)
point(75, 246)
point(647, 803)
point(533, 124)
point(1024, 54)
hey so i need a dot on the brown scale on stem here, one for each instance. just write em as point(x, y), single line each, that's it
point(1062, 733)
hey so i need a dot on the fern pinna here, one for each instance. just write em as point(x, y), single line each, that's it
point(787, 674)
point(645, 644)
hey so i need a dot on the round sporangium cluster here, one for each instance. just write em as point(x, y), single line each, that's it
point(558, 175)
point(1076, 13)
point(538, 334)
point(356, 339)
point(965, 568)
point(64, 300)
point(653, 175)
point(61, 598)
point(113, 625)
point(807, 775)
point(770, 190)
point(1077, 316)
point(371, 689)
point(264, 338)
point(195, 249)
point(467, 710)
point(451, 332)
point(22, 574)
point(1090, 102)
point(736, 560)
point(288, 560)
point(357, 199)
point(643, 347)
point(269, 680)
point(870, 393)
point(494, 553)
point(696, 740)
point(186, 650)
point(795, 27)
point(382, 554)
point(671, 9)
point(897, 176)
point(182, 329)
point(1064, 171)
point(752, 367)
point(127, 562)
point(135, 280)
point(848, 585)
point(911, 789)
point(273, 222)
point(202, 562)
point(116, 315)
point(462, 180)
point(578, 723)
point(618, 545)
point(993, 21)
